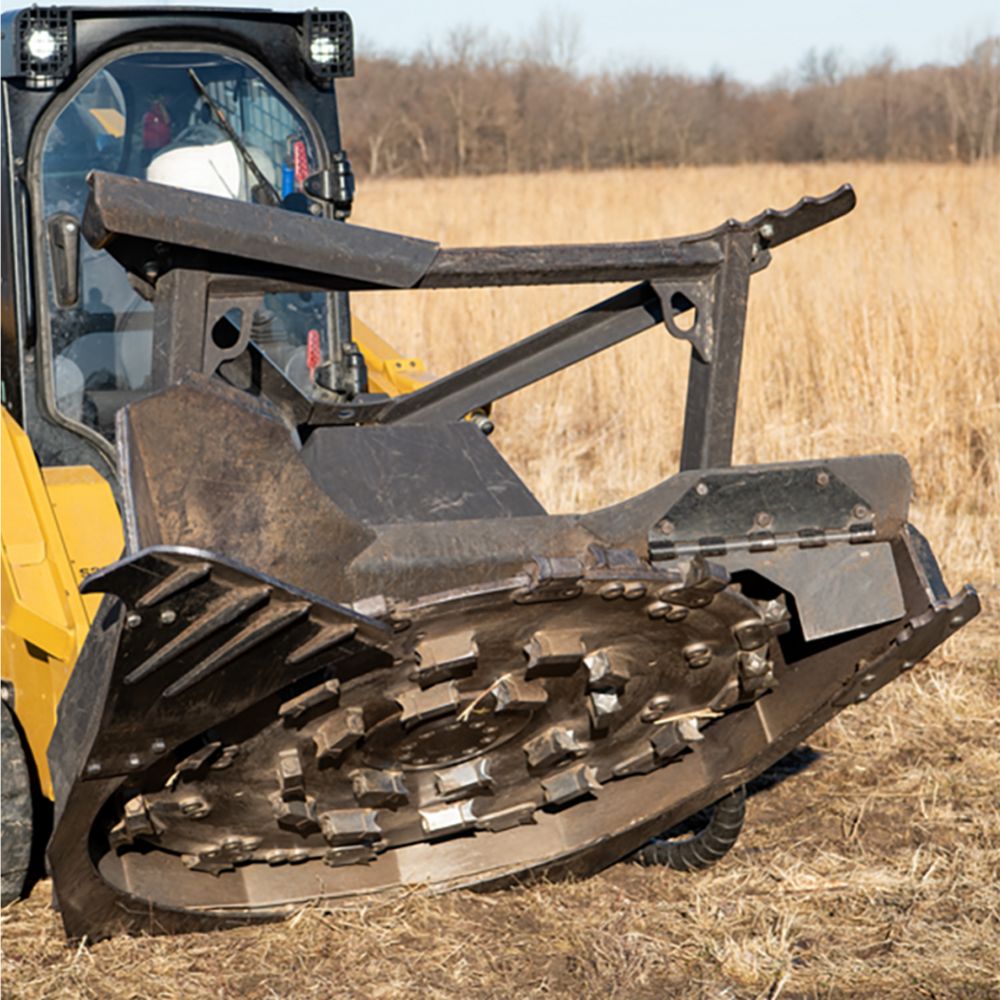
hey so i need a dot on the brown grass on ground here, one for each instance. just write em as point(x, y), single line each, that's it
point(871, 872)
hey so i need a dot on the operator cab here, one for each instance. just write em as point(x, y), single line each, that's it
point(250, 120)
point(143, 116)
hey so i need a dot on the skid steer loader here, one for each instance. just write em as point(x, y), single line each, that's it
point(280, 623)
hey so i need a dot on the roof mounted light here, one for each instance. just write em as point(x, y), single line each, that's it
point(44, 46)
point(328, 44)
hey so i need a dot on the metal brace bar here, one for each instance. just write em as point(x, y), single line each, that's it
point(533, 358)
point(713, 386)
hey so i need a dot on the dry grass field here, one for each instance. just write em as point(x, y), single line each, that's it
point(870, 865)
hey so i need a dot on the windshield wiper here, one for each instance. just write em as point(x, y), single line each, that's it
point(270, 191)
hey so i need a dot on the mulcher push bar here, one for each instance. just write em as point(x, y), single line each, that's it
point(152, 228)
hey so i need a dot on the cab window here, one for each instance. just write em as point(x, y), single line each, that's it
point(202, 121)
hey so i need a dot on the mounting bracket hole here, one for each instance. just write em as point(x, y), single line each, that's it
point(685, 312)
point(225, 333)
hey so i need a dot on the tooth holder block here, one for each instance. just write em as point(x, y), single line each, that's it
point(288, 551)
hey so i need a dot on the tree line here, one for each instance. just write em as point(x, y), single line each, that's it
point(476, 108)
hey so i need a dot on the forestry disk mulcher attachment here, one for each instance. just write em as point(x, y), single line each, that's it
point(346, 649)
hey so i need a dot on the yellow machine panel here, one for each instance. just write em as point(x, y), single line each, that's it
point(58, 525)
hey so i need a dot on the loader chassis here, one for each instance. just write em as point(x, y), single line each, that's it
point(346, 649)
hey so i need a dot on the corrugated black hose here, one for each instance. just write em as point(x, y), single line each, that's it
point(706, 845)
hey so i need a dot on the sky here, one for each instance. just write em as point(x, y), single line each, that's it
point(754, 41)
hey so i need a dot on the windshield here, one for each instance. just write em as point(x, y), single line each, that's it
point(203, 121)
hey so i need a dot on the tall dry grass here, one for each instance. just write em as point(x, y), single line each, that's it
point(872, 873)
point(879, 332)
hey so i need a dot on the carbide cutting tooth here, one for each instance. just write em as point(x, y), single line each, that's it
point(667, 741)
point(553, 654)
point(291, 778)
point(570, 784)
point(379, 788)
point(603, 706)
point(442, 821)
point(605, 670)
point(468, 778)
point(513, 694)
point(327, 693)
point(751, 634)
point(297, 815)
point(138, 822)
point(343, 827)
point(754, 664)
point(419, 706)
point(445, 657)
point(689, 730)
point(555, 744)
point(505, 819)
point(336, 735)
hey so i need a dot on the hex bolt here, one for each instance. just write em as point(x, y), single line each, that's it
point(763, 519)
point(860, 512)
point(956, 620)
point(158, 746)
point(134, 760)
point(766, 231)
point(168, 616)
point(665, 526)
point(133, 620)
point(698, 655)
point(701, 489)
point(94, 767)
point(656, 707)
point(822, 479)
point(907, 665)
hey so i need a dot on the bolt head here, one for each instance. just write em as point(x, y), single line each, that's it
point(133, 620)
point(698, 654)
point(656, 707)
point(822, 479)
point(701, 489)
point(168, 616)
